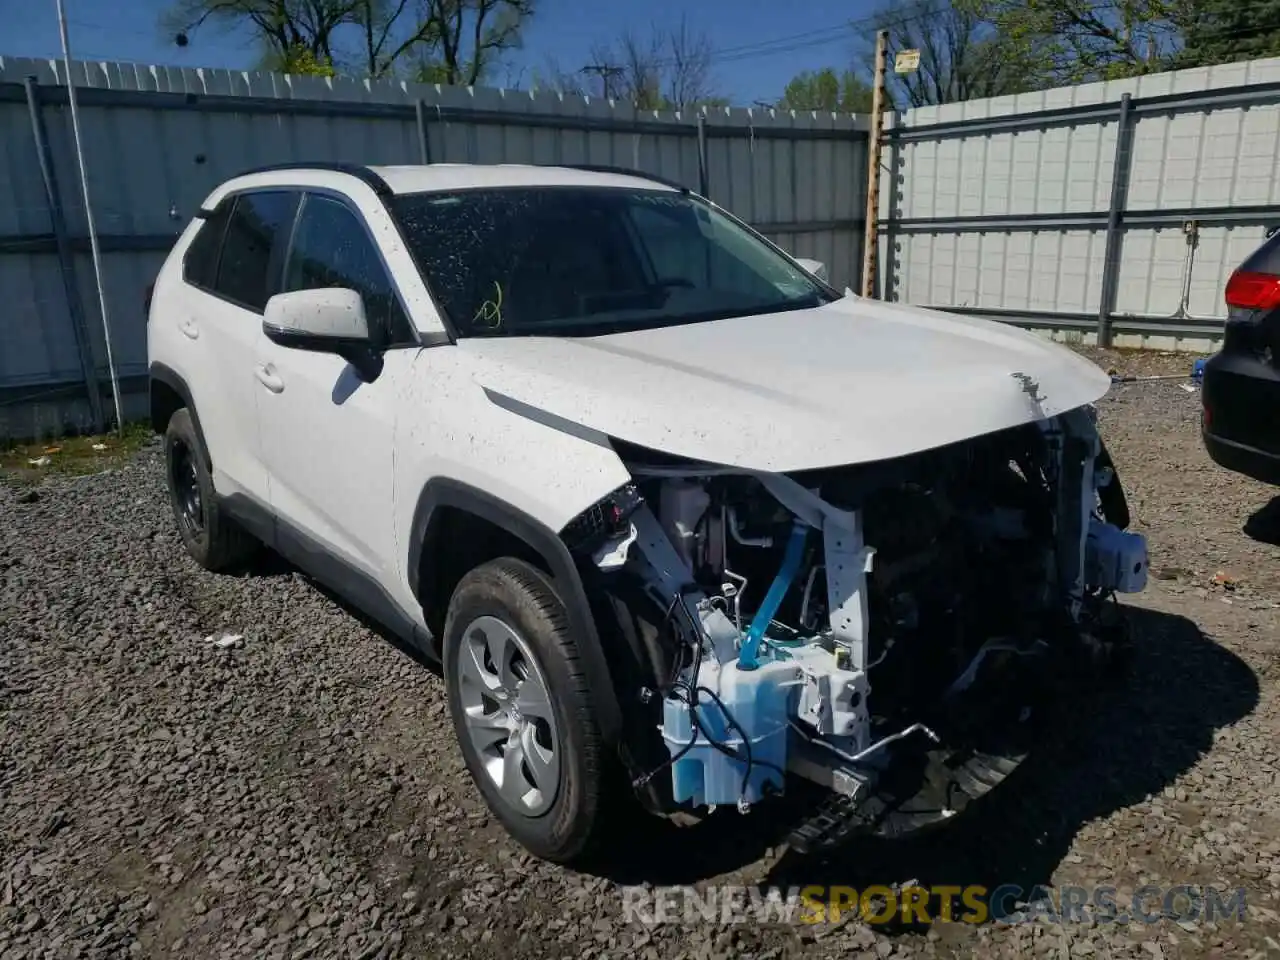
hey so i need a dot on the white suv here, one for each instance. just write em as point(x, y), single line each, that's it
point(673, 513)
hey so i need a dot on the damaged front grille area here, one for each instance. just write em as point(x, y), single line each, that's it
point(605, 519)
point(868, 628)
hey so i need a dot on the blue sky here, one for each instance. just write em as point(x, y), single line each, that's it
point(805, 34)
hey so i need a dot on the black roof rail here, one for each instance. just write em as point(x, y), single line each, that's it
point(625, 172)
point(381, 187)
point(357, 170)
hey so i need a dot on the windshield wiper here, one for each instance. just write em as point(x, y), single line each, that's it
point(649, 298)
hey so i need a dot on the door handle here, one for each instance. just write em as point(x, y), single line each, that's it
point(266, 375)
point(189, 329)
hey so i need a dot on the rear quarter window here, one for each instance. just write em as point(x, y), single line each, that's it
point(200, 263)
point(252, 244)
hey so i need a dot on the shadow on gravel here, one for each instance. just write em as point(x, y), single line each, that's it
point(268, 563)
point(1263, 524)
point(1111, 749)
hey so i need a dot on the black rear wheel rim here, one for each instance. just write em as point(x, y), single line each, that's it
point(186, 490)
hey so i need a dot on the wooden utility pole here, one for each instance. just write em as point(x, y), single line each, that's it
point(870, 241)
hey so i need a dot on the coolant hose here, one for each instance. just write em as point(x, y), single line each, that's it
point(749, 653)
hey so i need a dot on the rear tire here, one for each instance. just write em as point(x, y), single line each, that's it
point(522, 712)
point(213, 539)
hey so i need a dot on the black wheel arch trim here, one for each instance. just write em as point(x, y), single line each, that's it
point(165, 374)
point(445, 492)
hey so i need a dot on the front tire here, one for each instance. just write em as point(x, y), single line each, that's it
point(213, 539)
point(521, 709)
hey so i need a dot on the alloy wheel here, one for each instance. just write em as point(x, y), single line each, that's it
point(506, 706)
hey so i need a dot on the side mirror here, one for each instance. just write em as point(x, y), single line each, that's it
point(815, 267)
point(331, 320)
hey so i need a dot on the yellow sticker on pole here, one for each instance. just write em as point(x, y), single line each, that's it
point(904, 61)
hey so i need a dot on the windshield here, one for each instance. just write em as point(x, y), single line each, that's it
point(590, 260)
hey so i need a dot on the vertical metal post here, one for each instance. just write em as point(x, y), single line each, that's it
point(424, 142)
point(890, 278)
point(95, 252)
point(1115, 214)
point(870, 237)
point(66, 257)
point(702, 155)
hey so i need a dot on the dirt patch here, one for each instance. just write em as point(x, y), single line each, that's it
point(1142, 363)
point(28, 463)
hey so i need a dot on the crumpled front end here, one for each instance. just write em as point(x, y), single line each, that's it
point(887, 630)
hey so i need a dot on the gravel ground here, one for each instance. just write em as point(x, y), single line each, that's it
point(299, 794)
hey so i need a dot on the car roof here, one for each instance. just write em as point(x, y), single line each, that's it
point(446, 177)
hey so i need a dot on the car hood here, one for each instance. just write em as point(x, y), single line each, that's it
point(849, 382)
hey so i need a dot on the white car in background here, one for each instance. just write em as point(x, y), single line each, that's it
point(660, 500)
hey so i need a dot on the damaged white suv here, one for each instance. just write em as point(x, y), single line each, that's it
point(661, 501)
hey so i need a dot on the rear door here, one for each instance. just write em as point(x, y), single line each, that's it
point(327, 436)
point(230, 283)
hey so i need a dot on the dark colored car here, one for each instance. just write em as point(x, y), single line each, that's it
point(1241, 417)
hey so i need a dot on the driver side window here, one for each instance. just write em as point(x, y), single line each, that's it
point(332, 248)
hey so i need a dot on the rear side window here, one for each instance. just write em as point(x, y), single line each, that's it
point(200, 265)
point(332, 248)
point(258, 225)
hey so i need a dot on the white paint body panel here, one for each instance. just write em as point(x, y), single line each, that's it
point(328, 444)
point(851, 382)
point(231, 336)
point(333, 313)
point(450, 428)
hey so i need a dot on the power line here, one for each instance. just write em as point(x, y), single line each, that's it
point(834, 33)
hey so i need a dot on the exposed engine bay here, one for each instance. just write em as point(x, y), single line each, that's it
point(827, 624)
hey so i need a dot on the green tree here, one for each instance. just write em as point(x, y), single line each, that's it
point(963, 54)
point(1078, 41)
point(455, 40)
point(302, 61)
point(1223, 31)
point(826, 90)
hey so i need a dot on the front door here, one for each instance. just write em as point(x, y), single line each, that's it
point(327, 436)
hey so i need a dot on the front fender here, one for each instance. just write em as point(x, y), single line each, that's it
point(423, 543)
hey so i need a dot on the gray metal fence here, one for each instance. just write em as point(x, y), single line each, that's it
point(1105, 211)
point(1110, 209)
point(157, 140)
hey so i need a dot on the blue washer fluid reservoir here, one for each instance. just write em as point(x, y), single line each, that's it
point(758, 700)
